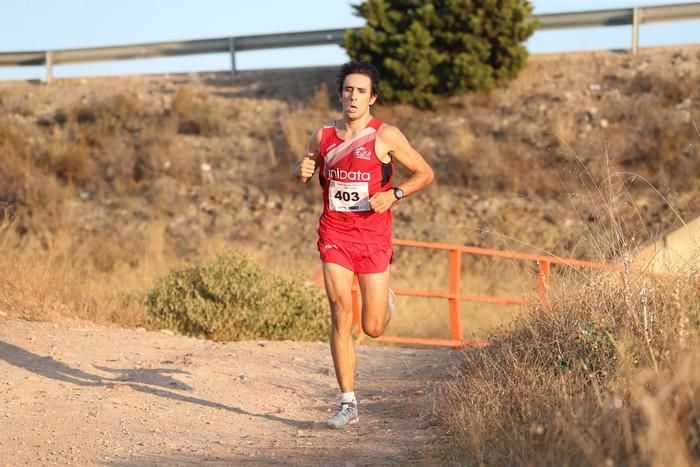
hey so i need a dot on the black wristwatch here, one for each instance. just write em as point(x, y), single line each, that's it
point(398, 193)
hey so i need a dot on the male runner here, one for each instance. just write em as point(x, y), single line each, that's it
point(355, 156)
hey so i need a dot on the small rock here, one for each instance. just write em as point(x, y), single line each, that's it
point(536, 429)
point(686, 104)
point(167, 332)
point(593, 114)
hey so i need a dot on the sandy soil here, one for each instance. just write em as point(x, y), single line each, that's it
point(80, 394)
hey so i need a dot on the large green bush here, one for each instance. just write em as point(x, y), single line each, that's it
point(425, 49)
point(233, 298)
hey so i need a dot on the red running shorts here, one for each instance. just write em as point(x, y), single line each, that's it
point(361, 258)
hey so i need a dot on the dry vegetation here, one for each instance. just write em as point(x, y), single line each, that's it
point(608, 375)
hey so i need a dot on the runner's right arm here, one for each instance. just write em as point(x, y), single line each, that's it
point(305, 168)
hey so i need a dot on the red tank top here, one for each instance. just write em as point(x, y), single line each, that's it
point(350, 173)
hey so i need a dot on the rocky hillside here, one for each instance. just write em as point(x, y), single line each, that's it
point(583, 155)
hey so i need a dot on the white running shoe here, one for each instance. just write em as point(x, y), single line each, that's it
point(347, 415)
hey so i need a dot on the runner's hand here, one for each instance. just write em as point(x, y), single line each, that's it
point(306, 167)
point(382, 201)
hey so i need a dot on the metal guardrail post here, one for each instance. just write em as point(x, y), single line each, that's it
point(636, 21)
point(48, 62)
point(454, 300)
point(232, 51)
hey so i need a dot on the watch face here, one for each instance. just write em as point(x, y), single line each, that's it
point(398, 192)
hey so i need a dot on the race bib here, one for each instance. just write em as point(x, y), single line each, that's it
point(348, 196)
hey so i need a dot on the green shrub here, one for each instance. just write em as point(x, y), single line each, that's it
point(233, 298)
point(426, 49)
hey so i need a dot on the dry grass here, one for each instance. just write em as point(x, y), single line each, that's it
point(609, 375)
point(40, 287)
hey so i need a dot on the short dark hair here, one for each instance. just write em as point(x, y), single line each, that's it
point(360, 68)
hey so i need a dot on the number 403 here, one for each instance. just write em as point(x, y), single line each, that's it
point(347, 196)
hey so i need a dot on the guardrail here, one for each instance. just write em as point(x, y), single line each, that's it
point(454, 296)
point(634, 17)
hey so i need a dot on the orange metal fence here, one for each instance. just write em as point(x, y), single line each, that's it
point(454, 295)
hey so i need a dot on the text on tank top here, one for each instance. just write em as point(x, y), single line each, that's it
point(350, 173)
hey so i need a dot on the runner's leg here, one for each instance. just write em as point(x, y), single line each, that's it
point(338, 282)
point(375, 302)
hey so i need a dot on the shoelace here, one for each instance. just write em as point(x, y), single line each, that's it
point(346, 408)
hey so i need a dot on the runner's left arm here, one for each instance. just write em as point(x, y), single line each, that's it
point(401, 150)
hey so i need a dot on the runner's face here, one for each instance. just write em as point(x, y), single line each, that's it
point(356, 95)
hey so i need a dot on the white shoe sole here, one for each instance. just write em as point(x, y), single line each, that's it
point(351, 422)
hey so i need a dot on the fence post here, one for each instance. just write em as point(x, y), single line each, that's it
point(232, 51)
point(48, 62)
point(543, 281)
point(454, 300)
point(636, 20)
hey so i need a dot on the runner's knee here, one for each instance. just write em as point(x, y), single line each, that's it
point(341, 313)
point(373, 327)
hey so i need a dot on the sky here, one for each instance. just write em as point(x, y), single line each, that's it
point(39, 25)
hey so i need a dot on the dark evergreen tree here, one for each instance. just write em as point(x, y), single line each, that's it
point(427, 49)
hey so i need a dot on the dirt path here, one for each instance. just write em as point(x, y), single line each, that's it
point(80, 394)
